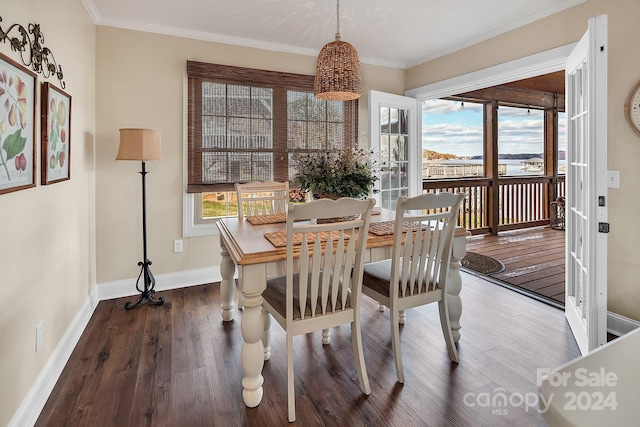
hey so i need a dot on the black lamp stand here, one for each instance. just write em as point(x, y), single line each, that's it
point(147, 293)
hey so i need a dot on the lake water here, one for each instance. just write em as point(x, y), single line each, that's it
point(513, 165)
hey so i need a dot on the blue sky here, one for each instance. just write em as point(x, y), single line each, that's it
point(449, 128)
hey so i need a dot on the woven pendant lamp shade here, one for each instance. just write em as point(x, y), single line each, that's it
point(338, 76)
point(338, 73)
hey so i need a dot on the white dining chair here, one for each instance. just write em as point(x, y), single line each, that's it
point(262, 198)
point(418, 269)
point(321, 288)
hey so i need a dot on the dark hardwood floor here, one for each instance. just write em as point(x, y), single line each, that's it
point(178, 365)
point(534, 260)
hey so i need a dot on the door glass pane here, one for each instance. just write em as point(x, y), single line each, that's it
point(384, 120)
point(394, 140)
point(384, 148)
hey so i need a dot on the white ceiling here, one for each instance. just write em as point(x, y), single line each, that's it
point(394, 33)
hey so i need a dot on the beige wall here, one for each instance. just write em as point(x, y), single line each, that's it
point(623, 144)
point(47, 241)
point(140, 84)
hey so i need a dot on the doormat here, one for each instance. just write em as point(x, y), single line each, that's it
point(481, 263)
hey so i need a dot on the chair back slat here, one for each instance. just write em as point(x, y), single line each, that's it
point(346, 268)
point(316, 263)
point(339, 260)
point(303, 277)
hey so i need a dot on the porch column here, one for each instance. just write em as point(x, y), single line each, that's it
point(491, 164)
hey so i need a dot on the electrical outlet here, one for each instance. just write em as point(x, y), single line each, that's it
point(177, 246)
point(39, 334)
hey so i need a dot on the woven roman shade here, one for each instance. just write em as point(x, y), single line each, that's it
point(250, 125)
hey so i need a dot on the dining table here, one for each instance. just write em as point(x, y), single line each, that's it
point(250, 247)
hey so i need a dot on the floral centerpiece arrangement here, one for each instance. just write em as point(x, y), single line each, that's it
point(337, 173)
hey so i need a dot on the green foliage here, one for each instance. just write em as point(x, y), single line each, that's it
point(214, 209)
point(341, 173)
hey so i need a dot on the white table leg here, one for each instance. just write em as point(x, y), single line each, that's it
point(266, 334)
point(252, 280)
point(455, 285)
point(227, 284)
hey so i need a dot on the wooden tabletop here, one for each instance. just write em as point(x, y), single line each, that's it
point(247, 245)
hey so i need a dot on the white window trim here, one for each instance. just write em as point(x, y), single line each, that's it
point(530, 66)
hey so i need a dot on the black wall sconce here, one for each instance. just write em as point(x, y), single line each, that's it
point(38, 57)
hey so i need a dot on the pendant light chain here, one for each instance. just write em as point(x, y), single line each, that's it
point(338, 20)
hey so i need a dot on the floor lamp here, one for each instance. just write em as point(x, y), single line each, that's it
point(142, 145)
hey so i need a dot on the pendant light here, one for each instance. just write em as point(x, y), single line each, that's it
point(338, 75)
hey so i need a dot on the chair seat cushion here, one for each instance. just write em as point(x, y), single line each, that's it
point(275, 295)
point(377, 275)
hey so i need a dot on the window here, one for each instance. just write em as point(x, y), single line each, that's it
point(250, 125)
point(452, 139)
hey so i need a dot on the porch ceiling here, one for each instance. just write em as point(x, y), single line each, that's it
point(536, 92)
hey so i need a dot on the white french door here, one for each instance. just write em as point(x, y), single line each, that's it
point(394, 122)
point(586, 210)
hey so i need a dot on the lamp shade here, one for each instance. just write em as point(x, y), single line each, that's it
point(338, 74)
point(139, 144)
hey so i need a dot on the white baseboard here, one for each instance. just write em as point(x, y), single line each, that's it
point(620, 325)
point(35, 400)
point(164, 282)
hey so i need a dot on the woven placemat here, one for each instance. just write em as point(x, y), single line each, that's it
point(385, 228)
point(281, 217)
point(279, 238)
point(267, 219)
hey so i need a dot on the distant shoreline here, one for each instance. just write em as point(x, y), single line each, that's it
point(520, 156)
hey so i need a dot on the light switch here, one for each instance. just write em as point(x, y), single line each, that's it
point(613, 179)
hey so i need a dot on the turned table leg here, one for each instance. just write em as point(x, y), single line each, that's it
point(227, 284)
point(455, 285)
point(252, 325)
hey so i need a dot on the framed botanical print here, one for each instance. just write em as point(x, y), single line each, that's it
point(17, 126)
point(56, 134)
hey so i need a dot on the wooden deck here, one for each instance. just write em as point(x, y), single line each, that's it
point(534, 260)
